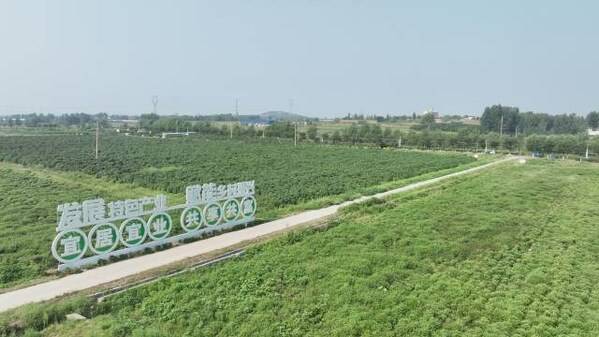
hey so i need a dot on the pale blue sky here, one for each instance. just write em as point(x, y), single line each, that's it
point(330, 57)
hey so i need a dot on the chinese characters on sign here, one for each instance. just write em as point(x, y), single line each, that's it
point(208, 208)
point(96, 211)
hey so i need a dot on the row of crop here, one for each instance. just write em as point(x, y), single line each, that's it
point(283, 174)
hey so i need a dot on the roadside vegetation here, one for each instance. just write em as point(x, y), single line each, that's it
point(507, 252)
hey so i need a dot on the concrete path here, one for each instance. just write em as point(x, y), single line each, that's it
point(118, 270)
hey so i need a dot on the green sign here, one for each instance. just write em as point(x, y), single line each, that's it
point(121, 227)
point(231, 210)
point(191, 219)
point(133, 232)
point(248, 207)
point(159, 226)
point(103, 238)
point(69, 245)
point(213, 214)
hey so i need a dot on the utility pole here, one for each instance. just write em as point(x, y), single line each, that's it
point(236, 116)
point(97, 138)
point(501, 126)
point(155, 104)
point(295, 129)
point(587, 152)
point(295, 135)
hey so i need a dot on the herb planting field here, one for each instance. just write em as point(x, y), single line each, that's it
point(511, 251)
point(287, 179)
point(284, 175)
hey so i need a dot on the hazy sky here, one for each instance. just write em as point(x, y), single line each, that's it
point(330, 57)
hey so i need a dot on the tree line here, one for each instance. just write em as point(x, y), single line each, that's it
point(51, 120)
point(509, 120)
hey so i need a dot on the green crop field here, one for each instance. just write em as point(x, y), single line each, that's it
point(287, 180)
point(511, 251)
point(284, 174)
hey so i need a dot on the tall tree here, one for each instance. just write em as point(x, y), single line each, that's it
point(492, 118)
point(593, 120)
point(428, 119)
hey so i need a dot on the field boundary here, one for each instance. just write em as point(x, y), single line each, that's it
point(141, 264)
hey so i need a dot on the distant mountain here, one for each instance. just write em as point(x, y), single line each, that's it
point(276, 116)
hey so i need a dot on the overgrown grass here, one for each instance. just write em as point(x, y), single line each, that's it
point(506, 252)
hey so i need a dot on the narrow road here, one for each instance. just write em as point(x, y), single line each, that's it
point(118, 270)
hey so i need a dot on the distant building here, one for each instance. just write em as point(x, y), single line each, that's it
point(592, 132)
point(435, 114)
point(176, 134)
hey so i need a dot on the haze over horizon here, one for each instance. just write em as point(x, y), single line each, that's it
point(330, 57)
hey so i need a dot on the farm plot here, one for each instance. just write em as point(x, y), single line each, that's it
point(29, 195)
point(509, 252)
point(284, 175)
point(28, 200)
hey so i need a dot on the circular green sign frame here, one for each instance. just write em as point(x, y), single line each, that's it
point(227, 206)
point(162, 220)
point(81, 245)
point(254, 207)
point(207, 214)
point(114, 233)
point(194, 216)
point(141, 233)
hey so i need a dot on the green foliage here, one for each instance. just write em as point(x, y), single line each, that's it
point(492, 118)
point(28, 218)
point(30, 319)
point(593, 120)
point(531, 123)
point(284, 176)
point(508, 252)
point(447, 127)
point(562, 144)
point(281, 129)
point(27, 222)
point(312, 132)
point(428, 120)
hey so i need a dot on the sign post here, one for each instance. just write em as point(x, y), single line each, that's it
point(94, 230)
